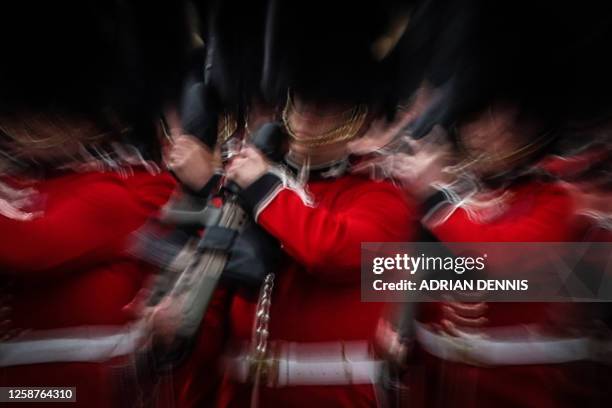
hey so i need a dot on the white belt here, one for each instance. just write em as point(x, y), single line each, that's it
point(80, 344)
point(478, 350)
point(310, 364)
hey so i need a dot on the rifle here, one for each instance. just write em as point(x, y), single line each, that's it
point(231, 247)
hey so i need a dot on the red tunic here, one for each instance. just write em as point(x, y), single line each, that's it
point(68, 269)
point(316, 297)
point(537, 212)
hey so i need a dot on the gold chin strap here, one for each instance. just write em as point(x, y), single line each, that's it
point(351, 121)
point(227, 127)
point(50, 131)
point(519, 153)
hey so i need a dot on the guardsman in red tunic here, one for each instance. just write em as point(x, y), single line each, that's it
point(78, 80)
point(540, 357)
point(66, 218)
point(307, 338)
